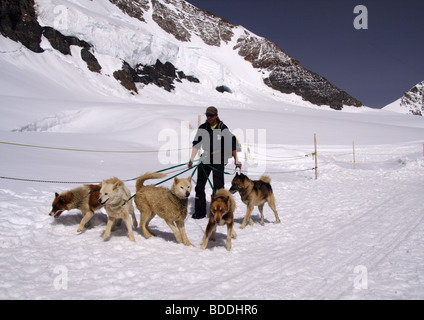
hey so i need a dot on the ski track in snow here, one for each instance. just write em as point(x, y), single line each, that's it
point(347, 218)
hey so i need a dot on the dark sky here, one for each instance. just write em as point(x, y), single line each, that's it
point(376, 65)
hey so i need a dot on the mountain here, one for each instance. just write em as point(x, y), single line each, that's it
point(168, 43)
point(411, 102)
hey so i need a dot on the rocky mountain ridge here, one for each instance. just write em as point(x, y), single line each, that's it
point(413, 99)
point(185, 23)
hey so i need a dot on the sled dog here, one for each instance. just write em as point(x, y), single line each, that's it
point(114, 196)
point(84, 198)
point(254, 193)
point(221, 212)
point(170, 205)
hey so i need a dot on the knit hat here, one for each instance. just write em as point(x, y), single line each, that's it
point(211, 110)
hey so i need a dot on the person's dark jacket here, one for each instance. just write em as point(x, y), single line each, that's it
point(221, 142)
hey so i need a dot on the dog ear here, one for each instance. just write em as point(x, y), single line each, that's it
point(212, 197)
point(56, 195)
point(176, 180)
point(115, 186)
point(189, 178)
point(226, 199)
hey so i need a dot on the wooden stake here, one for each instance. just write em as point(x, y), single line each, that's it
point(354, 160)
point(316, 157)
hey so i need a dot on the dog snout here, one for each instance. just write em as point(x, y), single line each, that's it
point(187, 194)
point(218, 220)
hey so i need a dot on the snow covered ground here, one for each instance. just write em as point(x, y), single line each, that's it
point(351, 234)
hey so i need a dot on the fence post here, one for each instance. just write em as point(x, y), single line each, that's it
point(354, 160)
point(316, 157)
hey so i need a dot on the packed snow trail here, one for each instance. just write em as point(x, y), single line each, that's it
point(346, 219)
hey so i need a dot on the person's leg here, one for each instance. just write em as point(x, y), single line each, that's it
point(218, 177)
point(200, 201)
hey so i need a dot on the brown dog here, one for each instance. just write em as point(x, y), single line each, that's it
point(85, 198)
point(254, 193)
point(221, 212)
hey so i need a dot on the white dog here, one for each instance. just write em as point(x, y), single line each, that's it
point(114, 196)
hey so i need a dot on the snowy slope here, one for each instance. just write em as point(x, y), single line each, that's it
point(364, 223)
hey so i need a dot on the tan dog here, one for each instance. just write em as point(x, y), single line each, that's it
point(85, 198)
point(170, 205)
point(221, 212)
point(254, 193)
point(114, 195)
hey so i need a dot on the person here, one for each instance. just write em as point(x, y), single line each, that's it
point(218, 146)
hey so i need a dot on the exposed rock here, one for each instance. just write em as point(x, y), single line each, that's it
point(133, 8)
point(184, 19)
point(92, 63)
point(63, 43)
point(288, 76)
point(126, 76)
point(162, 75)
point(413, 100)
point(18, 21)
point(223, 89)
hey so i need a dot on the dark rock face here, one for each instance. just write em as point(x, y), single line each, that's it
point(223, 89)
point(133, 8)
point(160, 74)
point(413, 100)
point(310, 86)
point(63, 43)
point(127, 77)
point(288, 76)
point(92, 63)
point(185, 20)
point(18, 21)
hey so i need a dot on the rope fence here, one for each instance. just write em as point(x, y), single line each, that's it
point(251, 155)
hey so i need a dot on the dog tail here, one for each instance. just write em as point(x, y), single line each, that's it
point(147, 176)
point(265, 179)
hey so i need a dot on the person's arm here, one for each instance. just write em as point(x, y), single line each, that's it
point(236, 162)
point(193, 155)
